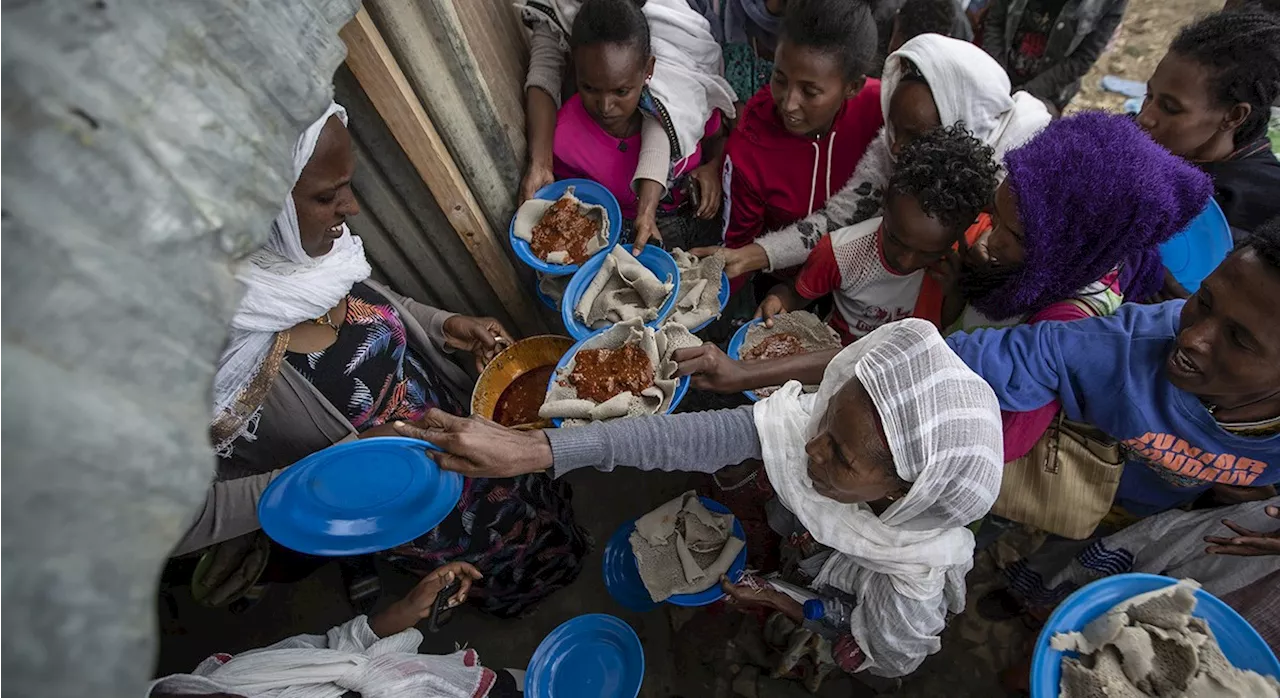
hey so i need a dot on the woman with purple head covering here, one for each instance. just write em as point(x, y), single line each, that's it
point(1075, 230)
point(1090, 196)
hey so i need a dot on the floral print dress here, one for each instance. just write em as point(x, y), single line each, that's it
point(519, 532)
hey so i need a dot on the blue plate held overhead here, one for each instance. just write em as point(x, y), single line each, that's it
point(654, 258)
point(682, 384)
point(1241, 644)
point(622, 576)
point(589, 192)
point(359, 497)
point(591, 656)
point(1195, 251)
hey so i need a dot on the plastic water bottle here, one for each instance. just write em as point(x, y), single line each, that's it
point(833, 614)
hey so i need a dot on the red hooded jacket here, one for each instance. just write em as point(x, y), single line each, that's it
point(773, 178)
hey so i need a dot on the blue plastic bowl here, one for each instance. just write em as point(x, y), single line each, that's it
point(622, 577)
point(653, 258)
point(591, 656)
point(1195, 251)
point(682, 385)
point(735, 352)
point(1241, 644)
point(724, 300)
point(591, 193)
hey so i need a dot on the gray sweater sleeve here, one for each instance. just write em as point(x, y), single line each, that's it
point(546, 61)
point(859, 199)
point(693, 441)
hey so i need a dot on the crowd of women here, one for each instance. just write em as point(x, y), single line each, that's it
point(991, 266)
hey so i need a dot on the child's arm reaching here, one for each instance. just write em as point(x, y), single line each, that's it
point(650, 180)
point(781, 299)
point(708, 174)
point(541, 102)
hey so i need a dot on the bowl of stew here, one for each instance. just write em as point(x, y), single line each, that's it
point(514, 384)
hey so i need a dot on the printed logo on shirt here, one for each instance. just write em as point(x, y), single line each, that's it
point(1184, 465)
point(726, 178)
point(874, 317)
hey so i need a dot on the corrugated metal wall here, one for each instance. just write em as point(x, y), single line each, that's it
point(407, 238)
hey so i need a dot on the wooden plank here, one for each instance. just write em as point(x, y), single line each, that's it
point(374, 66)
point(497, 42)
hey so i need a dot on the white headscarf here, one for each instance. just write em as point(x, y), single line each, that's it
point(283, 287)
point(906, 567)
point(968, 86)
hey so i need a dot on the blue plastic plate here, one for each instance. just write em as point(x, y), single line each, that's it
point(359, 497)
point(591, 656)
point(682, 385)
point(653, 258)
point(735, 352)
point(1241, 644)
point(1194, 252)
point(724, 300)
point(622, 577)
point(589, 192)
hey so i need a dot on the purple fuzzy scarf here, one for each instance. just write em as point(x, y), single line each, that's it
point(1093, 192)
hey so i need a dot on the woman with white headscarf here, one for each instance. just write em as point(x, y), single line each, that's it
point(320, 354)
point(931, 81)
point(884, 466)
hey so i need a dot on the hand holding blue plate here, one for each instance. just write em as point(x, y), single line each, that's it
point(589, 192)
point(653, 258)
point(359, 497)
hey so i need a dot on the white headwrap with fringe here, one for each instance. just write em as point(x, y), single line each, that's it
point(906, 567)
point(283, 287)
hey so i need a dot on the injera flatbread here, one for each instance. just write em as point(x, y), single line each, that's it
point(562, 399)
point(532, 211)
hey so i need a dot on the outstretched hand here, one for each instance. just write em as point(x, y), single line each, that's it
point(737, 261)
point(710, 369)
point(1246, 542)
point(478, 447)
point(483, 337)
point(421, 600)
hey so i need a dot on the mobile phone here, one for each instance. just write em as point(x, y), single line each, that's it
point(440, 611)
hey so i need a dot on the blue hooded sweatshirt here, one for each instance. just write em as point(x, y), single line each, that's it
point(1110, 372)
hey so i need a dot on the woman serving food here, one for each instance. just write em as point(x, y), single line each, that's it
point(884, 466)
point(321, 354)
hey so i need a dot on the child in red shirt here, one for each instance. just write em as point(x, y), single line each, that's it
point(875, 269)
point(800, 138)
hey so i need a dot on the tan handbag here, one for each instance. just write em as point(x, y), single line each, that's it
point(1066, 484)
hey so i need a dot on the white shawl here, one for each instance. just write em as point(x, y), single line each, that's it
point(349, 658)
point(968, 86)
point(906, 567)
point(283, 287)
point(687, 76)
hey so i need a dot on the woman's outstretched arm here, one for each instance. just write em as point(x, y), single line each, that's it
point(695, 441)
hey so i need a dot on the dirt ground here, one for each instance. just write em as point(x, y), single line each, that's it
point(1143, 37)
